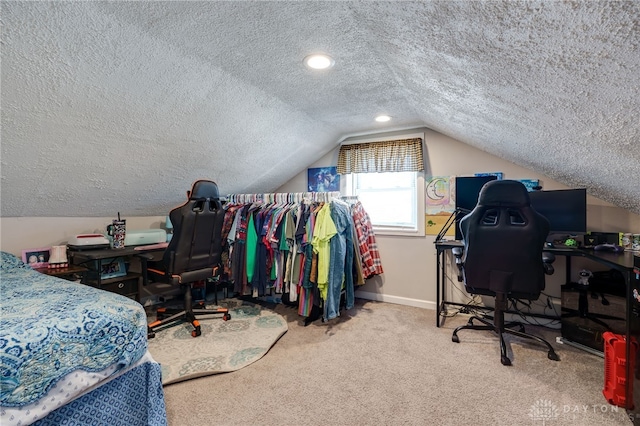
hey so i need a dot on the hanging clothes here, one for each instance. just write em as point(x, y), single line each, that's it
point(367, 246)
point(324, 230)
point(312, 248)
point(341, 254)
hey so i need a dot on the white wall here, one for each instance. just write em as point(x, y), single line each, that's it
point(409, 263)
point(18, 233)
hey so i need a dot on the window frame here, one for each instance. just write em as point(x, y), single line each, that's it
point(419, 230)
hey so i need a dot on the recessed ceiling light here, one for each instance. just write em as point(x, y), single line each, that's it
point(383, 118)
point(319, 61)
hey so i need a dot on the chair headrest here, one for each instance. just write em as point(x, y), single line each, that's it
point(204, 189)
point(504, 193)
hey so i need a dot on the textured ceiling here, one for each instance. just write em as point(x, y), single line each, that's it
point(119, 106)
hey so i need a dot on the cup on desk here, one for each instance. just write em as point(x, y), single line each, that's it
point(117, 231)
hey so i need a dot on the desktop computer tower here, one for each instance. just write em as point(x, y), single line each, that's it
point(618, 371)
point(588, 311)
point(583, 322)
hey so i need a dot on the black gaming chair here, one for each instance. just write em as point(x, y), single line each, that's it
point(193, 254)
point(503, 257)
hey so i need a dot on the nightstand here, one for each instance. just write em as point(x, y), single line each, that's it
point(71, 273)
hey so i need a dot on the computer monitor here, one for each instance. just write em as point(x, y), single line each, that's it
point(467, 191)
point(565, 209)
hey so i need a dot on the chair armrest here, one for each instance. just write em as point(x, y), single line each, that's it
point(547, 260)
point(144, 261)
point(457, 253)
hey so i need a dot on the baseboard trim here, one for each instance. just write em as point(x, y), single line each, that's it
point(425, 304)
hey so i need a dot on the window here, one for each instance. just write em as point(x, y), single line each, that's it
point(390, 199)
point(387, 178)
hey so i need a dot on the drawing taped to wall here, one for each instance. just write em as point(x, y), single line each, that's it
point(439, 194)
point(439, 202)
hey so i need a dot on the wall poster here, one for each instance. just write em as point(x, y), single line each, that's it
point(530, 184)
point(323, 179)
point(440, 203)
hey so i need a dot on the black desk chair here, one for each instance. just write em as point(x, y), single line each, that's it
point(193, 254)
point(502, 257)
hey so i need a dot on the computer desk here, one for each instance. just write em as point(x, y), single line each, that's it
point(622, 262)
point(441, 275)
point(441, 278)
point(125, 282)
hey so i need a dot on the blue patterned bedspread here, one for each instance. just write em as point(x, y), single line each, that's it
point(50, 327)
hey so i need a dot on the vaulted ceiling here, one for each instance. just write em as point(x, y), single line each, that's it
point(119, 106)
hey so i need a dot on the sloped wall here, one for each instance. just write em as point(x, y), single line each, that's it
point(410, 262)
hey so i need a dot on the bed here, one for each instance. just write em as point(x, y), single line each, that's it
point(73, 354)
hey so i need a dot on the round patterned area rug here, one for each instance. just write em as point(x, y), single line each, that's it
point(224, 346)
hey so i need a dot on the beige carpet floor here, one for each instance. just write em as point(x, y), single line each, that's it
point(386, 364)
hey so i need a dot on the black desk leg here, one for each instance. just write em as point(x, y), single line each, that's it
point(440, 285)
point(438, 252)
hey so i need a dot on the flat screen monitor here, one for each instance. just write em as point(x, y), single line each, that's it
point(565, 209)
point(467, 191)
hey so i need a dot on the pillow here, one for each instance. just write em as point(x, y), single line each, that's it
point(9, 261)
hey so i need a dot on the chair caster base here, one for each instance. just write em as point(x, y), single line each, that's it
point(151, 334)
point(553, 356)
point(505, 360)
point(455, 338)
point(197, 332)
point(226, 317)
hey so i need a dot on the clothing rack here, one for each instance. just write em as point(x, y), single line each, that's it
point(350, 199)
point(271, 250)
point(283, 197)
